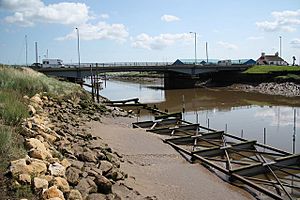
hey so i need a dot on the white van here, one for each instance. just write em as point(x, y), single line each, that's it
point(52, 63)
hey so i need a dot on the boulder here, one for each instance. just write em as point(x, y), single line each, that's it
point(97, 196)
point(86, 186)
point(53, 192)
point(24, 178)
point(31, 110)
point(61, 184)
point(115, 175)
point(77, 164)
point(37, 149)
point(72, 175)
point(103, 184)
point(57, 169)
point(34, 167)
point(87, 156)
point(74, 195)
point(36, 99)
point(105, 166)
point(65, 163)
point(37, 167)
point(39, 183)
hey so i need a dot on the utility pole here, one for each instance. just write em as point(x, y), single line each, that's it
point(195, 34)
point(47, 54)
point(78, 50)
point(26, 51)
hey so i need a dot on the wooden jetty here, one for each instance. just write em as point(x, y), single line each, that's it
point(247, 163)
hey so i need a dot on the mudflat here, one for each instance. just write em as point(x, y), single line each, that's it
point(158, 171)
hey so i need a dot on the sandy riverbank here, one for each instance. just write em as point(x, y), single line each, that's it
point(156, 170)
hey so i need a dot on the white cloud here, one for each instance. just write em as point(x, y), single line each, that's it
point(104, 16)
point(283, 21)
point(295, 43)
point(227, 45)
point(159, 42)
point(169, 18)
point(29, 12)
point(101, 30)
point(255, 38)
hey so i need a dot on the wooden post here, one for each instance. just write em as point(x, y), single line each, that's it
point(98, 99)
point(242, 133)
point(265, 135)
point(92, 84)
point(225, 128)
point(294, 134)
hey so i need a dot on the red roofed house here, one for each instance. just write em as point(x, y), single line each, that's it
point(270, 60)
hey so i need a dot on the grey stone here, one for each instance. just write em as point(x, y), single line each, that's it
point(105, 166)
point(72, 175)
point(104, 185)
point(86, 186)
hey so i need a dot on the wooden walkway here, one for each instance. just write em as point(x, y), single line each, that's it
point(262, 169)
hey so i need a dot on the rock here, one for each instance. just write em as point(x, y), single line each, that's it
point(31, 110)
point(72, 175)
point(103, 184)
point(97, 196)
point(74, 195)
point(77, 164)
point(57, 169)
point(88, 157)
point(24, 178)
point(65, 163)
point(115, 175)
point(36, 99)
point(53, 192)
point(105, 166)
point(39, 183)
point(86, 186)
point(39, 154)
point(35, 167)
point(61, 184)
point(37, 149)
point(112, 158)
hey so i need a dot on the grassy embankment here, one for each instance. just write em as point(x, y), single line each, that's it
point(14, 84)
point(292, 72)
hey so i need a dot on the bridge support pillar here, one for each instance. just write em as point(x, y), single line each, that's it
point(173, 80)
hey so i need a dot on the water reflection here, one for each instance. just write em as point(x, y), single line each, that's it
point(240, 113)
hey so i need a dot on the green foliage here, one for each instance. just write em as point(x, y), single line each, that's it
point(264, 69)
point(289, 77)
point(11, 146)
point(13, 110)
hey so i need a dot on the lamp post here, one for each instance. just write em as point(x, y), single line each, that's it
point(280, 46)
point(195, 34)
point(78, 50)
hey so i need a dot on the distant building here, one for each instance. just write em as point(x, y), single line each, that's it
point(215, 62)
point(270, 60)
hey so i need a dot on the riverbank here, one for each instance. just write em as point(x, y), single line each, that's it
point(287, 89)
point(65, 154)
point(158, 171)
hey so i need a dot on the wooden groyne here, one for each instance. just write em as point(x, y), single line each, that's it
point(260, 168)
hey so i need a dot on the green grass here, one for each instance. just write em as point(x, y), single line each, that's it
point(289, 76)
point(13, 109)
point(264, 69)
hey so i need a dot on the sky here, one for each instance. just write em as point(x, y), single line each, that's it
point(148, 31)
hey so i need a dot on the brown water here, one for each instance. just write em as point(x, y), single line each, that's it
point(239, 113)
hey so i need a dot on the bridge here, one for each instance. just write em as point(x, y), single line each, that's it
point(175, 76)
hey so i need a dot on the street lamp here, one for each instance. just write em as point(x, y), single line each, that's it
point(195, 46)
point(280, 46)
point(78, 50)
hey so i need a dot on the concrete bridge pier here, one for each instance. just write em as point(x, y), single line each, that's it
point(173, 80)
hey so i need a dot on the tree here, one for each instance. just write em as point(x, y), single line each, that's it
point(294, 59)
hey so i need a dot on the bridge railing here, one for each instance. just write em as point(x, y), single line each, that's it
point(121, 64)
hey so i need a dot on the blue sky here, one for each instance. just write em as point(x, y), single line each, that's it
point(140, 30)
